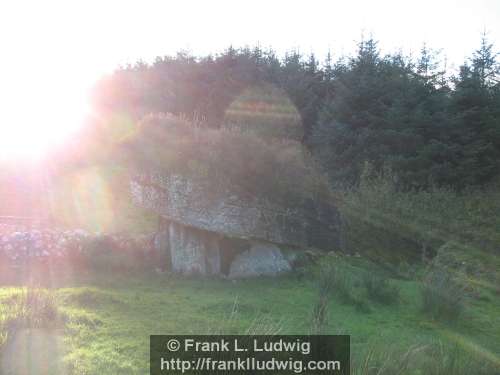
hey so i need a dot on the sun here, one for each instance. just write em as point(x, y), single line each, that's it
point(38, 118)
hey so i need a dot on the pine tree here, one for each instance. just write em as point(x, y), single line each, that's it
point(474, 109)
point(484, 64)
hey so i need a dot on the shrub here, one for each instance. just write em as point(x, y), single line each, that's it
point(326, 282)
point(103, 254)
point(442, 296)
point(326, 277)
point(280, 171)
point(333, 277)
point(398, 226)
point(336, 277)
point(380, 290)
point(344, 285)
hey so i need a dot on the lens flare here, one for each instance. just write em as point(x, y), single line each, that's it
point(38, 112)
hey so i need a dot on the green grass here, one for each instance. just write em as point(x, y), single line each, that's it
point(108, 320)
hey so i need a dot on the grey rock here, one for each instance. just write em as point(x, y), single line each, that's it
point(263, 259)
point(193, 251)
point(161, 242)
point(309, 224)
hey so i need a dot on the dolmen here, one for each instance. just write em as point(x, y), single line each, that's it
point(214, 232)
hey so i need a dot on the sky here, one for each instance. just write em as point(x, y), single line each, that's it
point(53, 51)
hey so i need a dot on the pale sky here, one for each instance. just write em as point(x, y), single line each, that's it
point(52, 51)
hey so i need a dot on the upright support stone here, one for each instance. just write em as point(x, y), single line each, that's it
point(213, 255)
point(263, 259)
point(193, 251)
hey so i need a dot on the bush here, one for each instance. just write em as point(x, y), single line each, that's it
point(396, 229)
point(104, 254)
point(333, 277)
point(280, 171)
point(326, 282)
point(442, 296)
point(336, 277)
point(380, 290)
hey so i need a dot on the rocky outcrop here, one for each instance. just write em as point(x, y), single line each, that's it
point(262, 259)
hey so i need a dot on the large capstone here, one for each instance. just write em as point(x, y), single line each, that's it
point(262, 259)
point(308, 224)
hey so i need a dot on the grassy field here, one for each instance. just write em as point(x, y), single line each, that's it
point(103, 323)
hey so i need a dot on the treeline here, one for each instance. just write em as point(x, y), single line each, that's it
point(428, 126)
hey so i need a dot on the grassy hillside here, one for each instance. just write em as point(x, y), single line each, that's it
point(398, 228)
